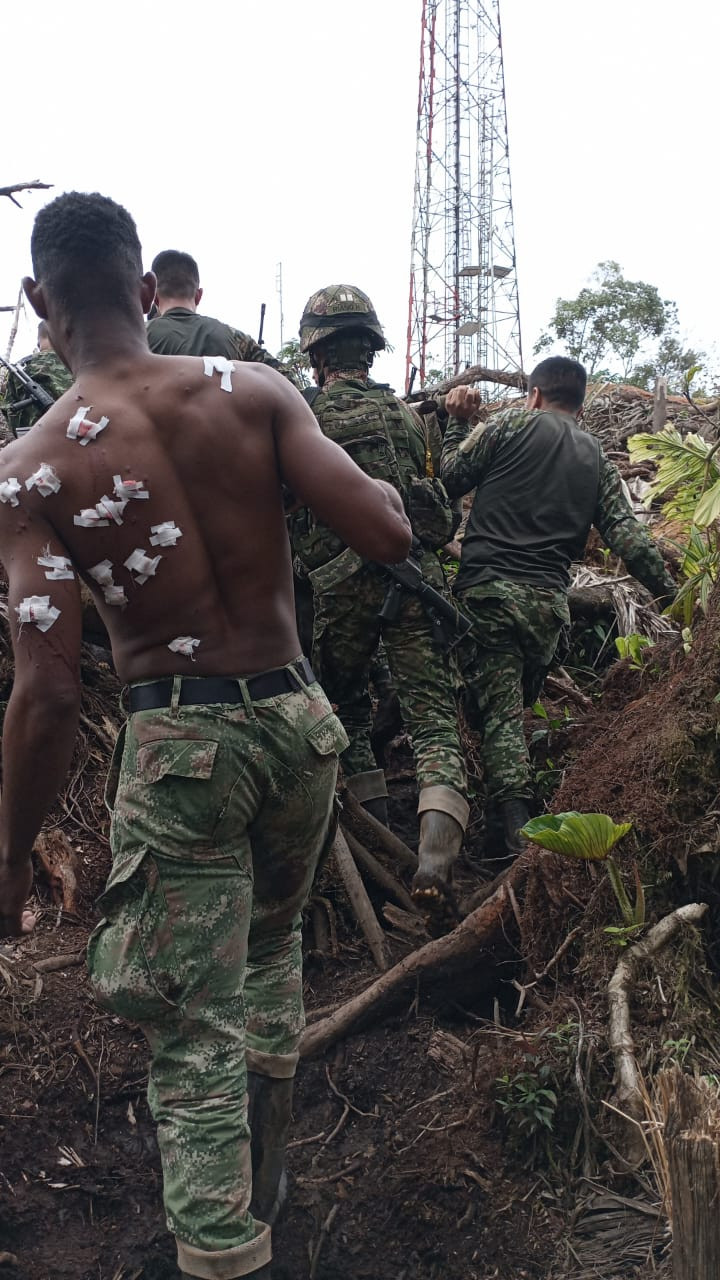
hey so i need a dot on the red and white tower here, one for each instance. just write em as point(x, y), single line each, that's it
point(463, 307)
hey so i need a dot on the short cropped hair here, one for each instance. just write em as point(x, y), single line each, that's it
point(43, 331)
point(177, 274)
point(86, 251)
point(562, 382)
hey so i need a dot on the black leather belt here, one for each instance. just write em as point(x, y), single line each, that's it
point(198, 691)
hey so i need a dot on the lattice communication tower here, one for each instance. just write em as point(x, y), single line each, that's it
point(463, 307)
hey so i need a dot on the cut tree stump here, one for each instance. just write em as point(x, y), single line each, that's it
point(691, 1109)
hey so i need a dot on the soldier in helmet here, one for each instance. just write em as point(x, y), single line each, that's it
point(44, 367)
point(341, 333)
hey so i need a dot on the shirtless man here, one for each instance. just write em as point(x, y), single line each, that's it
point(157, 481)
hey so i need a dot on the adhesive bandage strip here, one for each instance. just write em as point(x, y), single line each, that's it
point(184, 645)
point(83, 429)
point(142, 566)
point(165, 534)
point(39, 610)
point(219, 364)
point(45, 480)
point(56, 567)
point(127, 489)
point(112, 593)
point(102, 513)
point(9, 490)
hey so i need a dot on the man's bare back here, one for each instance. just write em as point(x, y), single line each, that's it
point(171, 511)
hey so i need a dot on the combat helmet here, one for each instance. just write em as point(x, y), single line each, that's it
point(336, 308)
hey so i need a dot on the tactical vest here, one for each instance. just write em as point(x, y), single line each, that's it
point(368, 422)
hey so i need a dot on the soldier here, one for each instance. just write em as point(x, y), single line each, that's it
point(179, 330)
point(341, 332)
point(47, 369)
point(224, 774)
point(541, 482)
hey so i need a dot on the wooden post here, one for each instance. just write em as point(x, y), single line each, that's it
point(691, 1110)
point(659, 413)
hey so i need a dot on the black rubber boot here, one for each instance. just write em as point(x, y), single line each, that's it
point(514, 815)
point(378, 808)
point(269, 1116)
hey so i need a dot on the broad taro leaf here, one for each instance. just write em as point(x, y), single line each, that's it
point(589, 836)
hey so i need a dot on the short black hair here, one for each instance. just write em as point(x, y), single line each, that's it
point(177, 274)
point(562, 382)
point(85, 251)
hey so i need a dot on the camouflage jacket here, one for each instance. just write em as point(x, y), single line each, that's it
point(47, 369)
point(181, 332)
point(540, 483)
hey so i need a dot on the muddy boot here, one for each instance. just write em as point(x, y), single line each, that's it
point(269, 1116)
point(514, 815)
point(262, 1274)
point(441, 834)
point(371, 790)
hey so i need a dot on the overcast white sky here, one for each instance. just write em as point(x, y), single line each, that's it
point(265, 131)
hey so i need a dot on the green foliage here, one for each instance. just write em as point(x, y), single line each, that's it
point(526, 1099)
point(297, 361)
point(589, 836)
point(669, 361)
point(609, 320)
point(688, 478)
point(632, 647)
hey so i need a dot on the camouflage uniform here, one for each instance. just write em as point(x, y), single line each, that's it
point(182, 332)
point(514, 572)
point(221, 815)
point(349, 594)
point(47, 369)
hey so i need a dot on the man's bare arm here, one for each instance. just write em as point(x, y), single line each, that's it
point(41, 718)
point(367, 514)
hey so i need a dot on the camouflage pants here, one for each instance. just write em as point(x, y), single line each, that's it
point(221, 816)
point(504, 663)
point(345, 640)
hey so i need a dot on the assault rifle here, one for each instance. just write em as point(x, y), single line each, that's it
point(449, 624)
point(35, 394)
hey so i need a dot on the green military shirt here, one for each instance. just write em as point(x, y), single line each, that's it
point(540, 483)
point(182, 332)
point(47, 369)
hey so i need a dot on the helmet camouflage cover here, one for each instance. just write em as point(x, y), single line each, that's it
point(338, 308)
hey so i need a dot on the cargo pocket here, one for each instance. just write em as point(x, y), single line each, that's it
point(170, 797)
point(327, 736)
point(131, 954)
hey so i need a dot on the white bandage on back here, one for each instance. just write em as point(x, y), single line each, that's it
point(9, 490)
point(83, 429)
point(142, 566)
point(184, 645)
point(219, 364)
point(56, 567)
point(45, 480)
point(102, 513)
point(127, 489)
point(39, 610)
point(165, 534)
point(112, 593)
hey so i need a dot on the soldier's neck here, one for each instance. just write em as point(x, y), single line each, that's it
point(334, 375)
point(99, 342)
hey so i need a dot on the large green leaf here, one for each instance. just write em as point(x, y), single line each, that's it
point(589, 836)
point(708, 508)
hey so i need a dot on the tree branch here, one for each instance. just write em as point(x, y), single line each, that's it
point(24, 186)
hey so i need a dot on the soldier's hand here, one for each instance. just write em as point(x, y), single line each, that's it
point(463, 402)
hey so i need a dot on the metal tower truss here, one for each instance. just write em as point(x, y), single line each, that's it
point(463, 306)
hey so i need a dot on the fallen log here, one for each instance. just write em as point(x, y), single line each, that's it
point(372, 833)
point(360, 902)
point(377, 872)
point(477, 373)
point(443, 957)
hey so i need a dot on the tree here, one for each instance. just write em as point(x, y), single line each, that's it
point(609, 321)
point(670, 361)
point(297, 361)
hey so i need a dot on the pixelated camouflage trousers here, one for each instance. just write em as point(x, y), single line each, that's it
point(503, 664)
point(345, 641)
point(221, 815)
